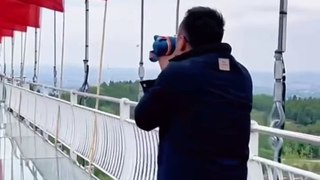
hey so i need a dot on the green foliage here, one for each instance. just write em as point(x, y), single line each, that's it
point(65, 96)
point(309, 165)
point(302, 150)
point(260, 117)
point(127, 89)
point(262, 103)
point(122, 89)
point(303, 116)
point(303, 111)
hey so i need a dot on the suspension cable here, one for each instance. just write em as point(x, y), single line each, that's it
point(93, 147)
point(12, 57)
point(278, 109)
point(23, 55)
point(39, 53)
point(177, 16)
point(1, 48)
point(85, 85)
point(63, 47)
point(35, 76)
point(4, 58)
point(55, 51)
point(102, 51)
point(141, 67)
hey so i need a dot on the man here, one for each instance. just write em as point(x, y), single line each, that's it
point(201, 103)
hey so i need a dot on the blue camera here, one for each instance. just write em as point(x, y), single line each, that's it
point(162, 46)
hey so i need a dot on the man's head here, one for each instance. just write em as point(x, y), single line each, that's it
point(201, 26)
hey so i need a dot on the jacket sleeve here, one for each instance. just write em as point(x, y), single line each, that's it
point(158, 103)
point(147, 85)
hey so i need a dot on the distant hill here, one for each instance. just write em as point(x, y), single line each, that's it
point(302, 84)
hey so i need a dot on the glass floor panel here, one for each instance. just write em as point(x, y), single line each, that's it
point(26, 156)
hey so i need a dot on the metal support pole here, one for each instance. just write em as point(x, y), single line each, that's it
point(23, 56)
point(278, 110)
point(62, 51)
point(39, 55)
point(4, 58)
point(2, 50)
point(21, 63)
point(102, 50)
point(177, 16)
point(87, 31)
point(55, 52)
point(12, 57)
point(141, 67)
point(35, 78)
point(85, 86)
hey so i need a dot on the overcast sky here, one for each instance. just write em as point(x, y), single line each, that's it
point(251, 29)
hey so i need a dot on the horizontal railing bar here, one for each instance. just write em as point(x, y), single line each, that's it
point(38, 84)
point(285, 167)
point(90, 95)
point(106, 98)
point(49, 87)
point(306, 138)
point(132, 103)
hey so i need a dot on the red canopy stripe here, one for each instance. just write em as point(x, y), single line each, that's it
point(6, 32)
point(19, 13)
point(56, 5)
point(9, 25)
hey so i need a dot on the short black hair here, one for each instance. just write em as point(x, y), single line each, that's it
point(203, 26)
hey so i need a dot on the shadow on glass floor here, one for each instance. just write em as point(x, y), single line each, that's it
point(26, 156)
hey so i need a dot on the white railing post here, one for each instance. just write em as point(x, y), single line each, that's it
point(254, 141)
point(73, 98)
point(254, 168)
point(73, 101)
point(124, 109)
point(1, 91)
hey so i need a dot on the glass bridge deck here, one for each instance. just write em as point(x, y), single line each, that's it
point(26, 156)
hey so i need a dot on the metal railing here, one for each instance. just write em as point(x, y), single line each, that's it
point(111, 143)
point(261, 168)
point(114, 144)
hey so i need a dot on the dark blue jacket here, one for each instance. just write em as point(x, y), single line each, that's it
point(201, 103)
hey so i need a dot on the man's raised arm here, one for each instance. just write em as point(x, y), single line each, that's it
point(157, 104)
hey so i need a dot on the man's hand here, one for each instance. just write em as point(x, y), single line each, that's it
point(164, 61)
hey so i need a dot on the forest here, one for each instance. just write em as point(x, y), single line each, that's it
point(302, 115)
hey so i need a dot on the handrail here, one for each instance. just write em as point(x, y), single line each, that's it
point(49, 87)
point(286, 168)
point(306, 138)
point(90, 95)
point(37, 84)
